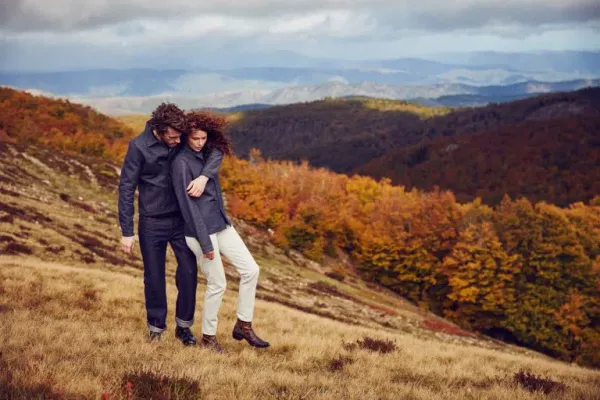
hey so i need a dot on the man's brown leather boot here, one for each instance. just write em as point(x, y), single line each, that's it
point(243, 330)
point(210, 342)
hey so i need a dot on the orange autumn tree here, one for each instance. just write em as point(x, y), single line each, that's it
point(555, 268)
point(406, 239)
point(481, 279)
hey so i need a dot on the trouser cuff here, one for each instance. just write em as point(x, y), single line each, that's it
point(155, 329)
point(184, 324)
point(244, 318)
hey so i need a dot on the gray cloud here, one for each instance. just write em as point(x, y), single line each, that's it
point(66, 15)
point(19, 16)
point(525, 14)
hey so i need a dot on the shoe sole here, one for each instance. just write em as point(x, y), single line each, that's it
point(190, 343)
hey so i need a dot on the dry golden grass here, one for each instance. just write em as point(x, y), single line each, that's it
point(80, 332)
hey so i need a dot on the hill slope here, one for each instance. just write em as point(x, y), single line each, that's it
point(552, 137)
point(25, 118)
point(340, 134)
point(61, 275)
point(557, 161)
point(69, 215)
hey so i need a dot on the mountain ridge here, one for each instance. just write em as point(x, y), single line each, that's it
point(351, 135)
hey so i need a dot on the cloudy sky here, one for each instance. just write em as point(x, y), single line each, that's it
point(64, 34)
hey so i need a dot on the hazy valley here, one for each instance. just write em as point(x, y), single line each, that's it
point(503, 77)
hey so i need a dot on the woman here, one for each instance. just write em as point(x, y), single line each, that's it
point(209, 233)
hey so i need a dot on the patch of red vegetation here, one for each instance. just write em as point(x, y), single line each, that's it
point(445, 327)
point(383, 309)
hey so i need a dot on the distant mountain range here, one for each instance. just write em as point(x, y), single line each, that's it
point(146, 82)
point(293, 78)
point(307, 77)
point(244, 107)
point(561, 61)
point(432, 95)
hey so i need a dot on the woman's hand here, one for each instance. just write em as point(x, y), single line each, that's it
point(196, 187)
point(210, 255)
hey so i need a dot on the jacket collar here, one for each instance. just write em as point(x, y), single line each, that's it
point(197, 154)
point(151, 140)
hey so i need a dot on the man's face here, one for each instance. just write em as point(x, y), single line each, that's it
point(171, 137)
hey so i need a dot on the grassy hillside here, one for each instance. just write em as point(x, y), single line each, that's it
point(74, 332)
point(73, 317)
point(526, 145)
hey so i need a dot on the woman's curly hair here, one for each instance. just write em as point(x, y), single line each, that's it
point(168, 115)
point(214, 126)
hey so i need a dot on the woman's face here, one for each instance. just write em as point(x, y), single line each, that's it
point(197, 139)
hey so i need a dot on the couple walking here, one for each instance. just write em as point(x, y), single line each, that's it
point(175, 164)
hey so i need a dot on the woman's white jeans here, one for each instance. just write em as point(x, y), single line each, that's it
point(231, 245)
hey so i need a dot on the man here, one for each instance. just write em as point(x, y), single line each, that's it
point(147, 167)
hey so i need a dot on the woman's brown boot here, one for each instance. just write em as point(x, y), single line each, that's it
point(243, 330)
point(210, 342)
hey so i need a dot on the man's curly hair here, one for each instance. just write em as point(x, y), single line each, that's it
point(214, 126)
point(168, 115)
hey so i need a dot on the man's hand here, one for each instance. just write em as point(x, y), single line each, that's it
point(127, 244)
point(210, 255)
point(196, 187)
